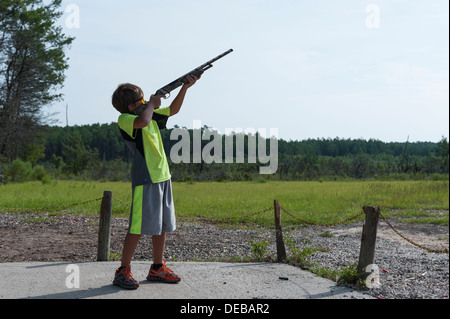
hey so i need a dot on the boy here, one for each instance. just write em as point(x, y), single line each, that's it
point(152, 210)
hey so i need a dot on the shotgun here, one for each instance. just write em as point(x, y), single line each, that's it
point(196, 72)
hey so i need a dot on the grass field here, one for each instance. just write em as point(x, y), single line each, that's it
point(326, 202)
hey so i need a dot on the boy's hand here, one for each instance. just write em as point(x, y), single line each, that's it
point(192, 79)
point(155, 101)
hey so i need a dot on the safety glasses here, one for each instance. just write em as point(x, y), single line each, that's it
point(142, 100)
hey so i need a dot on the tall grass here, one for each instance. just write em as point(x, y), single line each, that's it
point(324, 202)
point(37, 197)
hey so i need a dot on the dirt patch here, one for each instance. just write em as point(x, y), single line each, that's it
point(429, 236)
point(61, 240)
point(27, 237)
point(35, 238)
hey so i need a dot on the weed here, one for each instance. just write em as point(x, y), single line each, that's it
point(115, 256)
point(348, 275)
point(326, 234)
point(300, 256)
point(259, 249)
point(38, 220)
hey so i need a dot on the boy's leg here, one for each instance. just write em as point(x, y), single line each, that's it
point(129, 246)
point(159, 271)
point(159, 242)
point(123, 277)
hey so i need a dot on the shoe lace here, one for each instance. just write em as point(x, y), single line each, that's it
point(166, 270)
point(127, 273)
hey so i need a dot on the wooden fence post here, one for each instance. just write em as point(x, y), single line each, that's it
point(368, 239)
point(281, 250)
point(104, 231)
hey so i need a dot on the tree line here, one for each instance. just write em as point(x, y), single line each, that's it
point(98, 152)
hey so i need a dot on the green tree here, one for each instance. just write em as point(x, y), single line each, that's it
point(33, 152)
point(77, 156)
point(442, 149)
point(32, 66)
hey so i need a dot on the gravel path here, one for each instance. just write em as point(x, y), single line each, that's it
point(405, 271)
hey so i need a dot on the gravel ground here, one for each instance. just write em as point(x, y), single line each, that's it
point(405, 271)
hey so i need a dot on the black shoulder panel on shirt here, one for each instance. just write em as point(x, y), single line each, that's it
point(138, 140)
point(161, 120)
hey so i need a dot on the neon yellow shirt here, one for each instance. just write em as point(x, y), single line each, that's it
point(153, 149)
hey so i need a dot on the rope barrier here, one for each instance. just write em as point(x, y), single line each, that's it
point(62, 207)
point(122, 202)
point(438, 251)
point(48, 208)
point(245, 216)
point(318, 224)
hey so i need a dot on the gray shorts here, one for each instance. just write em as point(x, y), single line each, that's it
point(152, 209)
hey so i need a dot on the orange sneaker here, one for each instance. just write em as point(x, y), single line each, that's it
point(123, 278)
point(163, 274)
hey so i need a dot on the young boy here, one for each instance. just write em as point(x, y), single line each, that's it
point(152, 210)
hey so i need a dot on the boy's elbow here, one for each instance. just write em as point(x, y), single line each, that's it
point(141, 122)
point(146, 122)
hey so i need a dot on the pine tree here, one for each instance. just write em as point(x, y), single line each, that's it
point(32, 66)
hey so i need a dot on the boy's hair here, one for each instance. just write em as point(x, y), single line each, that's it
point(125, 95)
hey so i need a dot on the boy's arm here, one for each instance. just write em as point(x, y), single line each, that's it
point(178, 101)
point(145, 117)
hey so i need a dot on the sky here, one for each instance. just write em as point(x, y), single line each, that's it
point(376, 69)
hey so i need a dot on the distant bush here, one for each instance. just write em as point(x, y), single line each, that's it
point(40, 174)
point(20, 171)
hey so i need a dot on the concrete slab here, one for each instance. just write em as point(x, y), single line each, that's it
point(200, 280)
